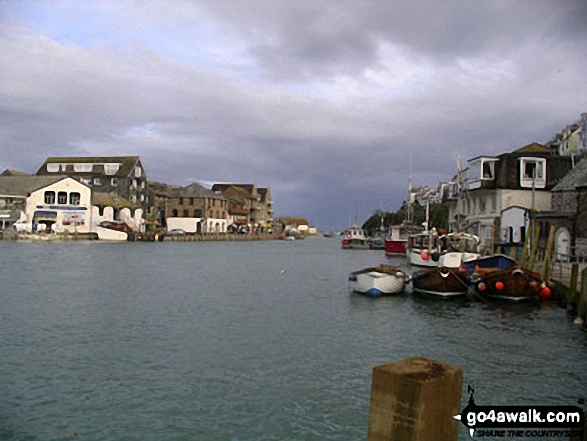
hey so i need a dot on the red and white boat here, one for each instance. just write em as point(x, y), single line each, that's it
point(396, 241)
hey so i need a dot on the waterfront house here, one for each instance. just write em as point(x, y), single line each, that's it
point(192, 208)
point(118, 182)
point(45, 203)
point(249, 206)
point(500, 192)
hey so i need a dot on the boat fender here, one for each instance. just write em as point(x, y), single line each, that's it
point(545, 293)
point(517, 271)
point(481, 287)
point(352, 278)
point(499, 286)
point(399, 274)
point(435, 256)
point(424, 255)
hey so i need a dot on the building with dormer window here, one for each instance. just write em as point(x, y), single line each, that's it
point(115, 179)
point(499, 192)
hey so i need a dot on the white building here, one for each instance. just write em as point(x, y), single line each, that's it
point(57, 204)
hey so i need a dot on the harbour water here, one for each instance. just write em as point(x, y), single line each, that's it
point(243, 341)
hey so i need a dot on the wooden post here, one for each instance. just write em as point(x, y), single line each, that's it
point(545, 273)
point(572, 292)
point(582, 301)
point(533, 248)
point(415, 400)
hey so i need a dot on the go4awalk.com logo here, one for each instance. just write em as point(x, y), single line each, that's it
point(521, 421)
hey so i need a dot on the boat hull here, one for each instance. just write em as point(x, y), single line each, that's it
point(439, 282)
point(511, 284)
point(422, 258)
point(378, 281)
point(395, 247)
point(355, 244)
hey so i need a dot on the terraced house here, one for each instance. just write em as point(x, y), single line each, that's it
point(249, 206)
point(193, 208)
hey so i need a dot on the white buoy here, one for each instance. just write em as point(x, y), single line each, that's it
point(578, 321)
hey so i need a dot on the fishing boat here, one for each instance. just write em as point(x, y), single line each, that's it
point(513, 284)
point(397, 239)
point(450, 250)
point(378, 281)
point(454, 249)
point(441, 282)
point(354, 238)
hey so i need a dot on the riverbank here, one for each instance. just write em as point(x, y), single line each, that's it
point(143, 237)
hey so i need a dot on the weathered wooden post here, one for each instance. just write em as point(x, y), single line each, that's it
point(415, 400)
point(572, 292)
point(582, 301)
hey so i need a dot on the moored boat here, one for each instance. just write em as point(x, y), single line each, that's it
point(450, 250)
point(440, 282)
point(354, 239)
point(512, 284)
point(422, 249)
point(397, 239)
point(378, 281)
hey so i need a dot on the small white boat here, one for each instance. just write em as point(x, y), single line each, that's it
point(378, 281)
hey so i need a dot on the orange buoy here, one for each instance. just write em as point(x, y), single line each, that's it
point(545, 293)
point(499, 286)
point(424, 255)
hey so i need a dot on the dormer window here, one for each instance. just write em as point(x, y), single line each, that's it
point(480, 169)
point(533, 172)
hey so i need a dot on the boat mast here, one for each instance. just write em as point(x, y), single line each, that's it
point(409, 214)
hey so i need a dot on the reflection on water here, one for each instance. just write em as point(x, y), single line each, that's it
point(242, 341)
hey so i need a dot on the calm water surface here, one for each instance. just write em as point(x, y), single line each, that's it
point(242, 341)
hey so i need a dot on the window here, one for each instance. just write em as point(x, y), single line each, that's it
point(53, 168)
point(191, 201)
point(483, 203)
point(186, 213)
point(49, 197)
point(62, 198)
point(533, 172)
point(488, 170)
point(197, 213)
point(74, 198)
point(114, 182)
point(480, 169)
point(174, 213)
point(138, 172)
point(111, 169)
point(83, 168)
point(97, 181)
point(180, 201)
point(493, 202)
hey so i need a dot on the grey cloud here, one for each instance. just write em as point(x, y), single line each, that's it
point(317, 146)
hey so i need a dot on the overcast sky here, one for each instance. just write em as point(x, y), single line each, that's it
point(325, 102)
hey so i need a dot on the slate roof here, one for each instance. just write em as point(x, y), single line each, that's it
point(11, 172)
point(575, 178)
point(25, 185)
point(532, 148)
point(108, 200)
point(127, 163)
point(194, 190)
point(248, 188)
